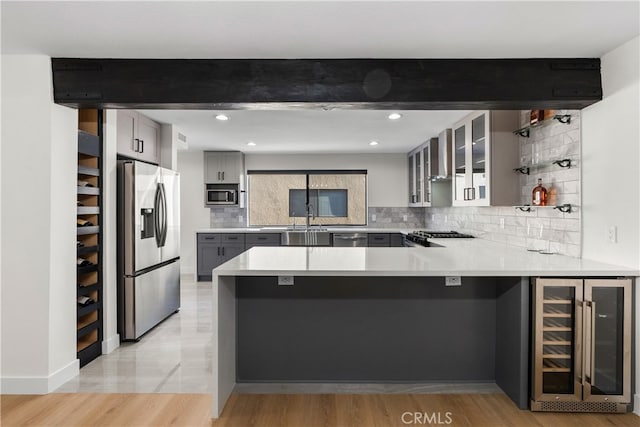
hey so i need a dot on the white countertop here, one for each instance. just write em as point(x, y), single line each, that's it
point(301, 228)
point(458, 257)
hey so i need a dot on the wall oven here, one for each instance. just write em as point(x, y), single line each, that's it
point(215, 195)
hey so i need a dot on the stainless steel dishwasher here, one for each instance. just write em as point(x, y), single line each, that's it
point(355, 240)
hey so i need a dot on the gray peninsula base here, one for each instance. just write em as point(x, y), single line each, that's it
point(384, 330)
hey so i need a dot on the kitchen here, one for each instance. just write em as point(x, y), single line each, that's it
point(593, 121)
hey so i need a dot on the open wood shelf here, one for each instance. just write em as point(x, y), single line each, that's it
point(87, 269)
point(89, 191)
point(89, 280)
point(88, 171)
point(83, 250)
point(86, 340)
point(88, 309)
point(95, 229)
point(88, 210)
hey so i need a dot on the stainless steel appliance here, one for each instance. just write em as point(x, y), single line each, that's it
point(582, 345)
point(421, 237)
point(148, 246)
point(221, 195)
point(355, 240)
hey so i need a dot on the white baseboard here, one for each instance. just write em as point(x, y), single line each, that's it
point(110, 344)
point(40, 385)
point(636, 404)
point(186, 270)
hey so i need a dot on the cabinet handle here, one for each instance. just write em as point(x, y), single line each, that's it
point(218, 250)
point(223, 176)
point(136, 145)
point(223, 251)
point(219, 176)
point(464, 194)
point(142, 145)
point(428, 197)
point(262, 238)
point(473, 193)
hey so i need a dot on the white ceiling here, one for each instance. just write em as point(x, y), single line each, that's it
point(316, 29)
point(319, 131)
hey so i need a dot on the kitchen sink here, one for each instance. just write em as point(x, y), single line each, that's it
point(306, 238)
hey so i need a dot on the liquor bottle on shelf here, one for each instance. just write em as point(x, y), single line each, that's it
point(539, 195)
point(552, 196)
point(84, 223)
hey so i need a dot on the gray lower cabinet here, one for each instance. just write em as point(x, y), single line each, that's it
point(262, 239)
point(396, 240)
point(378, 240)
point(217, 248)
point(385, 240)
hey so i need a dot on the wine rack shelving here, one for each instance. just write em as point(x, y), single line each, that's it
point(89, 237)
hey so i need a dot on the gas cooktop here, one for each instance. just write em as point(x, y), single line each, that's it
point(421, 237)
point(444, 234)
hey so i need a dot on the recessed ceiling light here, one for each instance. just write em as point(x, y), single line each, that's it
point(222, 117)
point(251, 144)
point(394, 116)
point(373, 143)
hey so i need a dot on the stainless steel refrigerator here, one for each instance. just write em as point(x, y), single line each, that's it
point(148, 246)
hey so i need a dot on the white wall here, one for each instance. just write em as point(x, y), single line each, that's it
point(611, 176)
point(193, 214)
point(388, 180)
point(39, 166)
point(610, 158)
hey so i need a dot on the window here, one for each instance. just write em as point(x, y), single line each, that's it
point(279, 198)
point(325, 203)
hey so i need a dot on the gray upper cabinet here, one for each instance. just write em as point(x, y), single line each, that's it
point(485, 153)
point(223, 167)
point(138, 137)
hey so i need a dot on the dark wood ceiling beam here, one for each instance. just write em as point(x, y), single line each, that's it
point(422, 84)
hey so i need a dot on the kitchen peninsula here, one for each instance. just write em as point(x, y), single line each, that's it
point(457, 313)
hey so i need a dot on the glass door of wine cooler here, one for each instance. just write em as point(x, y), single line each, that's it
point(607, 340)
point(558, 336)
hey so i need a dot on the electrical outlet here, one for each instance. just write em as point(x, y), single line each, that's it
point(612, 234)
point(373, 218)
point(285, 280)
point(453, 281)
point(502, 223)
point(433, 217)
point(446, 218)
point(404, 218)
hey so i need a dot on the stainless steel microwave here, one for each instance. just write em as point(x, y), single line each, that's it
point(221, 196)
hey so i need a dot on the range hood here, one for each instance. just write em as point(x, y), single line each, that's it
point(440, 152)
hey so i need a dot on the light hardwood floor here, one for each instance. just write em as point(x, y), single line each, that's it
point(281, 410)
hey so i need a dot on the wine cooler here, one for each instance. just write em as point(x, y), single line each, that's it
point(582, 345)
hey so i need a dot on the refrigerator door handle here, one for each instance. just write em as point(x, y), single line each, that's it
point(156, 216)
point(163, 199)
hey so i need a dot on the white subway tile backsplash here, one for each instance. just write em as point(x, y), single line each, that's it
point(542, 228)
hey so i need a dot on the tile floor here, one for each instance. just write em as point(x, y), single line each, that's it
point(174, 357)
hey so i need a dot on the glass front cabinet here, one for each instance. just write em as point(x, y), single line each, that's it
point(485, 152)
point(419, 176)
point(582, 345)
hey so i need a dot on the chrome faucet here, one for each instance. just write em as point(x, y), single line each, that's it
point(310, 209)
